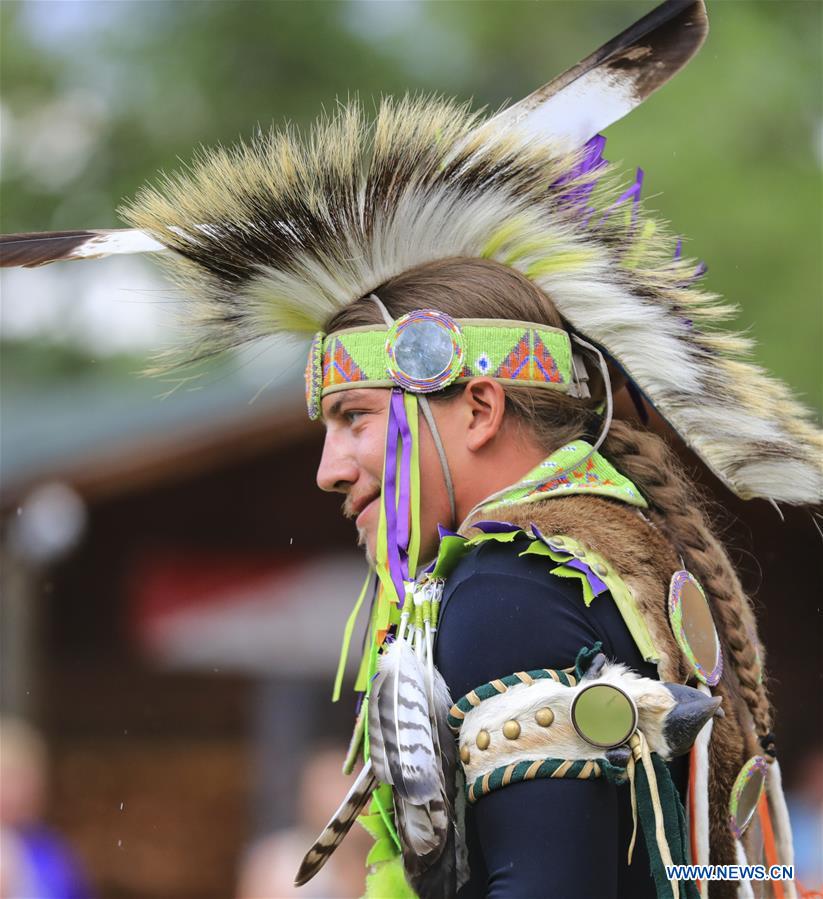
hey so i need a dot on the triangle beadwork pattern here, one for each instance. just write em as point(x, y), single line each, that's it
point(529, 360)
point(339, 367)
point(515, 366)
point(545, 363)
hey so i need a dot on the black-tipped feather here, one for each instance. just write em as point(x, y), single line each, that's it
point(623, 72)
point(30, 250)
point(33, 249)
point(339, 825)
point(653, 49)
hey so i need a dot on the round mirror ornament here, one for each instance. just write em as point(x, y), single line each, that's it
point(746, 792)
point(424, 351)
point(693, 627)
point(604, 715)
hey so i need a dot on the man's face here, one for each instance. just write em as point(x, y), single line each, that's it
point(352, 464)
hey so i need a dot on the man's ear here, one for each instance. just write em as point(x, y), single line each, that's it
point(486, 402)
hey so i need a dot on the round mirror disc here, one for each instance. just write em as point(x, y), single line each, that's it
point(424, 351)
point(693, 627)
point(746, 792)
point(603, 715)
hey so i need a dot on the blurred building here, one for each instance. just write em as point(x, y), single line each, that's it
point(174, 591)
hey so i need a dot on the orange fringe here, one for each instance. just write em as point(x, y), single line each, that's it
point(768, 840)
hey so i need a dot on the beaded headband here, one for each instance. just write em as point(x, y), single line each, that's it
point(427, 350)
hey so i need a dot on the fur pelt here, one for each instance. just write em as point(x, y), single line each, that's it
point(646, 561)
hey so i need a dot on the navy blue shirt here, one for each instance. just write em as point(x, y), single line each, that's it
point(549, 838)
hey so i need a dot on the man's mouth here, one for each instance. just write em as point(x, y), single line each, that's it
point(356, 508)
point(365, 509)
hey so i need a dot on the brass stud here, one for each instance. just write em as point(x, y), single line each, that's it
point(559, 541)
point(600, 570)
point(483, 740)
point(465, 755)
point(511, 730)
point(544, 717)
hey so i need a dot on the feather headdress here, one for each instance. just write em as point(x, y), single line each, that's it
point(276, 235)
point(300, 229)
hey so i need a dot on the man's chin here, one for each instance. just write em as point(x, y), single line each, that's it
point(363, 540)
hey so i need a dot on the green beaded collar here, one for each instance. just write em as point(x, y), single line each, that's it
point(594, 475)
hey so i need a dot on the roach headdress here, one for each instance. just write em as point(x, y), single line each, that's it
point(277, 235)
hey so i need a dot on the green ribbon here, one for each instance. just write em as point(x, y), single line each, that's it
point(347, 632)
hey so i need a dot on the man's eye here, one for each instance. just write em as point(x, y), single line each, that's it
point(352, 415)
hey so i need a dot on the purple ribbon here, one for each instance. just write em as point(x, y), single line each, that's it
point(404, 521)
point(576, 198)
point(495, 527)
point(398, 513)
point(598, 586)
point(701, 269)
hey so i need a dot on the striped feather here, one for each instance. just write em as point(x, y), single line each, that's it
point(338, 826)
point(418, 827)
point(400, 734)
point(434, 875)
point(31, 250)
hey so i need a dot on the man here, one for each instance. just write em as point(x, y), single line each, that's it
point(503, 609)
point(500, 613)
point(478, 289)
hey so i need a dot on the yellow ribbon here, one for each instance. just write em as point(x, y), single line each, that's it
point(347, 632)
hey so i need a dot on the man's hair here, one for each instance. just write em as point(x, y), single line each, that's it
point(478, 288)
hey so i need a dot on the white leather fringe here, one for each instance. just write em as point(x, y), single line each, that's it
point(744, 890)
point(700, 825)
point(781, 824)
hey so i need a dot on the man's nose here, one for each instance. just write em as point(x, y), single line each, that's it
point(337, 470)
